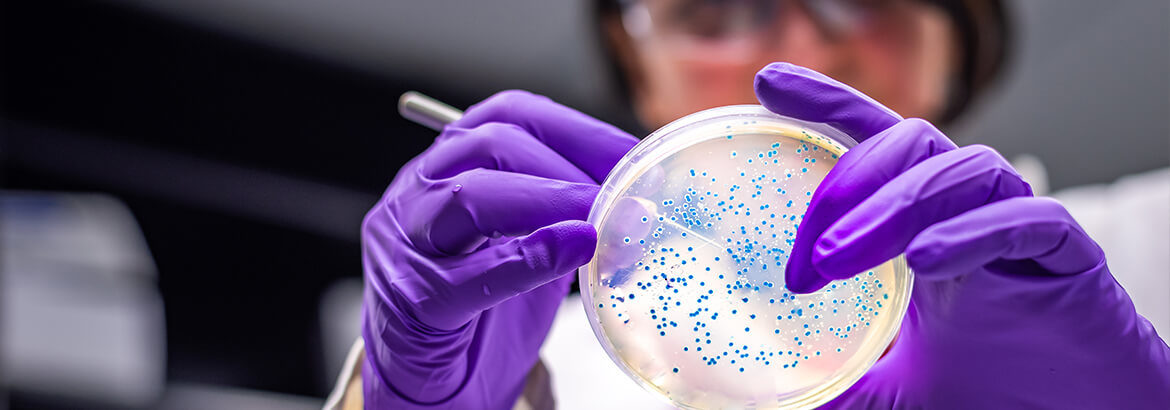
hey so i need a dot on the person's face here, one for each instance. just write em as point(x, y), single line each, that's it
point(682, 56)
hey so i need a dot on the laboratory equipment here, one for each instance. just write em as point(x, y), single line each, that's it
point(686, 289)
point(426, 111)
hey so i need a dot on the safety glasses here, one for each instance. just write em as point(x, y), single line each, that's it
point(732, 27)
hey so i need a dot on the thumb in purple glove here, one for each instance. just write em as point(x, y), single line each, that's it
point(466, 255)
point(1013, 306)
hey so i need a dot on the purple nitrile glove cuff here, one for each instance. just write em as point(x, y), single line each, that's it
point(426, 366)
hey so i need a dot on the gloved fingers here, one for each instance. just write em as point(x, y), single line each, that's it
point(937, 189)
point(590, 144)
point(484, 203)
point(499, 146)
point(1016, 228)
point(627, 225)
point(798, 92)
point(486, 277)
point(857, 175)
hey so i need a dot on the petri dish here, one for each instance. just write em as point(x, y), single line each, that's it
point(686, 290)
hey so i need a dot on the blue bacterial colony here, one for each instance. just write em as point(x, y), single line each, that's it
point(688, 280)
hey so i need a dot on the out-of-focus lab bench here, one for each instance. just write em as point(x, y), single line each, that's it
point(233, 177)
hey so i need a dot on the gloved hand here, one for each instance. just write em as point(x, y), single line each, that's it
point(467, 254)
point(1013, 305)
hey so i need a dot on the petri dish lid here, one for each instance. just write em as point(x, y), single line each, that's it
point(686, 289)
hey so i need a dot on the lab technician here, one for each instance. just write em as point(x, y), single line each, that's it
point(473, 246)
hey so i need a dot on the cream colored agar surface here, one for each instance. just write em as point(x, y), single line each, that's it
point(731, 207)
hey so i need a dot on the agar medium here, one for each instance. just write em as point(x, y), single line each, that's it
point(686, 290)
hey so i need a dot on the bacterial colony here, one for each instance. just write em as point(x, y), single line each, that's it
point(687, 285)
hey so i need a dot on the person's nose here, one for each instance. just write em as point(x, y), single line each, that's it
point(797, 36)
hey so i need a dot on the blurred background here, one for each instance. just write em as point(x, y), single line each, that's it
point(184, 180)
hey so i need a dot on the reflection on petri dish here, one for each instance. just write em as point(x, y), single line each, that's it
point(686, 291)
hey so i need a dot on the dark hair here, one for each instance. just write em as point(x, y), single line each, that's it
point(984, 39)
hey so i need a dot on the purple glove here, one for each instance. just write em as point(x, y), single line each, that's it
point(466, 255)
point(1013, 305)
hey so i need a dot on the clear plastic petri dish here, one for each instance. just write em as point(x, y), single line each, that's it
point(686, 290)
